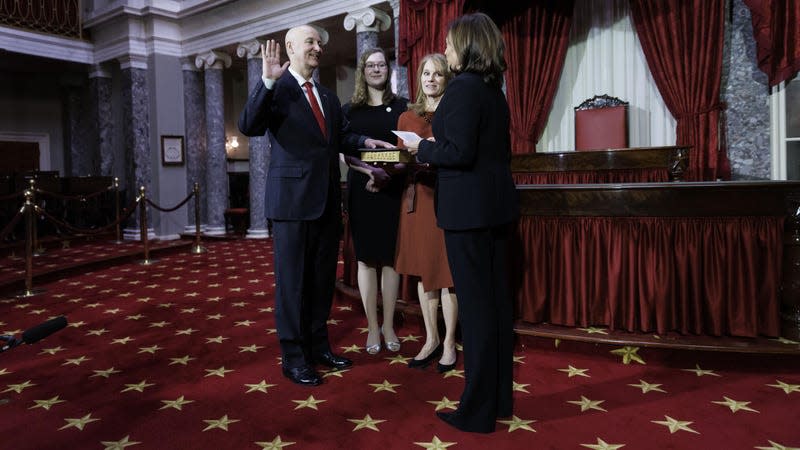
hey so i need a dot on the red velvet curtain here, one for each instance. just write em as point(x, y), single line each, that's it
point(536, 46)
point(423, 29)
point(682, 41)
point(776, 29)
point(709, 276)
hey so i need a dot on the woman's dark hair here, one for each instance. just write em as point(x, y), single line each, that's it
point(479, 46)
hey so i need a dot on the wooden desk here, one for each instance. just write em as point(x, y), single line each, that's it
point(646, 164)
point(698, 258)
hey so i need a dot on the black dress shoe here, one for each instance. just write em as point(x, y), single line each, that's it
point(454, 419)
point(442, 368)
point(303, 375)
point(333, 361)
point(426, 361)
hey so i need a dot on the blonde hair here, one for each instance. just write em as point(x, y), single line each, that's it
point(440, 62)
point(479, 45)
point(360, 96)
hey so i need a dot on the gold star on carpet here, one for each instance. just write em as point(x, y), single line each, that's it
point(453, 373)
point(398, 359)
point(734, 405)
point(572, 371)
point(333, 322)
point(213, 299)
point(186, 332)
point(675, 425)
point(410, 338)
point(216, 340)
point(519, 359)
point(268, 309)
point(310, 402)
point(700, 372)
point(104, 373)
point(352, 349)
point(786, 387)
point(75, 361)
point(188, 310)
point(79, 423)
point(238, 304)
point(182, 360)
point(5, 371)
point(520, 387)
point(515, 423)
point(152, 350)
point(218, 372)
point(221, 423)
point(51, 351)
point(217, 316)
point(138, 387)
point(77, 324)
point(22, 305)
point(385, 386)
point(629, 354)
point(593, 330)
point(261, 386)
point(123, 341)
point(243, 323)
point(93, 305)
point(120, 444)
point(37, 312)
point(135, 317)
point(366, 423)
point(334, 373)
point(647, 387)
point(112, 311)
point(250, 348)
point(276, 444)
point(435, 444)
point(776, 446)
point(345, 308)
point(272, 330)
point(176, 404)
point(166, 305)
point(97, 332)
point(444, 403)
point(143, 299)
point(602, 445)
point(587, 404)
point(46, 404)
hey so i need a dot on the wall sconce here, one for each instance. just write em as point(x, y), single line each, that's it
point(231, 144)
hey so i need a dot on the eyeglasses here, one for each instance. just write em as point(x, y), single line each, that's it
point(370, 66)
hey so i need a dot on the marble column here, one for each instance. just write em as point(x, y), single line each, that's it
point(82, 157)
point(194, 115)
point(259, 148)
point(100, 101)
point(400, 71)
point(212, 63)
point(367, 22)
point(136, 136)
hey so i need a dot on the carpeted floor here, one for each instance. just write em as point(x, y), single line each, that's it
point(182, 354)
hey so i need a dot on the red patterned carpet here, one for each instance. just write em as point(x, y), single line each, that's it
point(183, 354)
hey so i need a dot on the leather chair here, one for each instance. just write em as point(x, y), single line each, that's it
point(601, 122)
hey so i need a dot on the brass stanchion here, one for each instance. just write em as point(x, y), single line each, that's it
point(30, 218)
point(143, 228)
point(116, 209)
point(38, 250)
point(197, 248)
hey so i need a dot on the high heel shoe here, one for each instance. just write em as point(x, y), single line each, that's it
point(374, 348)
point(442, 368)
point(424, 362)
point(393, 346)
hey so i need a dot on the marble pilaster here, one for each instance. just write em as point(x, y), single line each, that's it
point(213, 63)
point(367, 22)
point(194, 113)
point(100, 83)
point(400, 71)
point(745, 89)
point(259, 148)
point(82, 154)
point(136, 136)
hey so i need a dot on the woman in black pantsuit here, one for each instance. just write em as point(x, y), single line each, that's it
point(476, 202)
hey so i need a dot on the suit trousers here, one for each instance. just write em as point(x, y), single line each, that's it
point(478, 261)
point(305, 255)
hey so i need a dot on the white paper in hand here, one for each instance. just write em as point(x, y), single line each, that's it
point(408, 136)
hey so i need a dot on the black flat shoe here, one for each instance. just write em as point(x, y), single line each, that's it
point(303, 375)
point(454, 419)
point(442, 368)
point(333, 361)
point(426, 361)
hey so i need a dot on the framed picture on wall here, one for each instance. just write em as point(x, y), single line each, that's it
point(172, 150)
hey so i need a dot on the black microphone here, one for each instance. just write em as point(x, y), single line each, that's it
point(43, 330)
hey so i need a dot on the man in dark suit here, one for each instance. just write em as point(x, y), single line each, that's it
point(307, 130)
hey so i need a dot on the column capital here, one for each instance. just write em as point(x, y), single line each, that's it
point(99, 71)
point(132, 62)
point(395, 4)
point(251, 49)
point(187, 64)
point(213, 59)
point(367, 19)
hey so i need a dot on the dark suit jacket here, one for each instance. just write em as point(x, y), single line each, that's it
point(472, 153)
point(304, 166)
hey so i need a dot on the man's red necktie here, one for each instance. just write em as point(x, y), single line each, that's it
point(315, 107)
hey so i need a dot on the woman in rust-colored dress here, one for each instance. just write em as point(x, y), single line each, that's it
point(420, 243)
